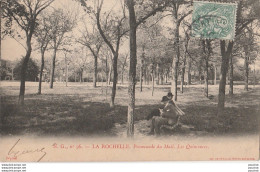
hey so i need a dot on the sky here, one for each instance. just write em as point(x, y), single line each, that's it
point(12, 50)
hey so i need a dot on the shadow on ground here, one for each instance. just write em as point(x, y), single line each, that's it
point(74, 115)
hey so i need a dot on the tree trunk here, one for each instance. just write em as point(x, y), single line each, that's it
point(224, 69)
point(109, 74)
point(132, 69)
point(231, 76)
point(176, 59)
point(215, 74)
point(189, 71)
point(12, 73)
point(206, 45)
point(23, 71)
point(152, 83)
point(40, 79)
point(246, 69)
point(81, 75)
point(67, 71)
point(53, 68)
point(161, 76)
point(158, 75)
point(141, 75)
point(147, 77)
point(122, 77)
point(183, 69)
point(112, 103)
point(106, 70)
point(123, 68)
point(254, 75)
point(0, 35)
point(206, 78)
point(182, 78)
point(144, 76)
point(200, 76)
point(95, 72)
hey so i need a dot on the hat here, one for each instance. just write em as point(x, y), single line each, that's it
point(164, 99)
point(169, 94)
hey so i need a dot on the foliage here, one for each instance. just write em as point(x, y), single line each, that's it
point(60, 22)
point(32, 70)
point(42, 33)
point(4, 70)
point(22, 13)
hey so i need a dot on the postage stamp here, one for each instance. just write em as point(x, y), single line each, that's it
point(214, 20)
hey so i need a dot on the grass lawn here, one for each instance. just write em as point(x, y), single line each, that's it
point(81, 110)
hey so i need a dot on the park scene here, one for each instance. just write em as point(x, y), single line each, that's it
point(106, 68)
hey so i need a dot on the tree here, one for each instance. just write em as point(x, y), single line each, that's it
point(25, 14)
point(178, 18)
point(116, 25)
point(225, 53)
point(231, 74)
point(206, 53)
point(186, 54)
point(155, 46)
point(1, 70)
point(43, 40)
point(249, 45)
point(31, 72)
point(142, 43)
point(81, 62)
point(106, 52)
point(67, 61)
point(123, 62)
point(134, 22)
point(93, 42)
point(151, 49)
point(60, 23)
point(111, 30)
point(245, 47)
point(247, 12)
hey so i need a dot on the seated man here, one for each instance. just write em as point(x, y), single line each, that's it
point(168, 116)
point(154, 112)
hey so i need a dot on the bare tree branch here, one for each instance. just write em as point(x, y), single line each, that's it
point(153, 12)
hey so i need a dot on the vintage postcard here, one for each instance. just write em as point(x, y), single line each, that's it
point(129, 80)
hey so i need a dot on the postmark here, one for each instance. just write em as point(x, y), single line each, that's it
point(214, 20)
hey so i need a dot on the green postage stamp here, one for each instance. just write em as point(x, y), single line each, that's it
point(214, 20)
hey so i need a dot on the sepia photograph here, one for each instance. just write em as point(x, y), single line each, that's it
point(129, 80)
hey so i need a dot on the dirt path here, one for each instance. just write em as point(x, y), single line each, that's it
point(142, 128)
